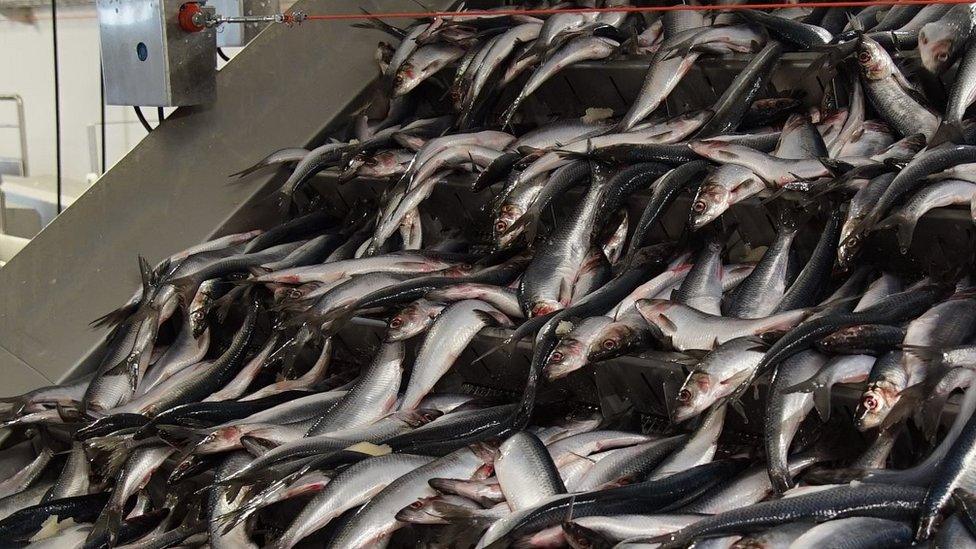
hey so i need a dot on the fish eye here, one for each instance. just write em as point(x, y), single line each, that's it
point(864, 56)
point(870, 403)
point(684, 395)
point(699, 206)
point(609, 344)
point(501, 226)
point(396, 322)
point(942, 56)
point(417, 505)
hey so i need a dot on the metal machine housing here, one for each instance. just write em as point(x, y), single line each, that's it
point(149, 60)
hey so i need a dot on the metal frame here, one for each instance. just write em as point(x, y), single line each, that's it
point(21, 128)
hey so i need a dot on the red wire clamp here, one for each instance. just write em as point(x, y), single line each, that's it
point(294, 18)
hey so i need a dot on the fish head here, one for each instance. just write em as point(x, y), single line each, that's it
point(612, 341)
point(568, 356)
point(199, 307)
point(219, 440)
point(694, 396)
point(407, 77)
point(874, 61)
point(849, 247)
point(508, 214)
point(710, 202)
point(356, 166)
point(487, 452)
point(422, 512)
point(875, 405)
point(410, 321)
point(936, 43)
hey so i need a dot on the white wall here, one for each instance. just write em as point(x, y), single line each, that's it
point(26, 68)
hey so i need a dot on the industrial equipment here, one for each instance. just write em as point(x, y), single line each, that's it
point(164, 52)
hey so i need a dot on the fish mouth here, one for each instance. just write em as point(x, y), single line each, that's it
point(683, 413)
point(559, 370)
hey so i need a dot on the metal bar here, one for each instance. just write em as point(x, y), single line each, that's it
point(22, 125)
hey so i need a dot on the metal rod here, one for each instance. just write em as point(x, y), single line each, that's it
point(21, 124)
point(57, 100)
point(101, 100)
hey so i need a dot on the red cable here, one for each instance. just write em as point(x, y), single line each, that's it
point(625, 9)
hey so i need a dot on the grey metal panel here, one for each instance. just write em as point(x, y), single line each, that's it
point(170, 192)
point(176, 67)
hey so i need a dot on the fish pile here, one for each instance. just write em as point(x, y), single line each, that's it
point(824, 401)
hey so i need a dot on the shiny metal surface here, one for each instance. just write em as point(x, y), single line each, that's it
point(149, 60)
point(171, 192)
point(241, 34)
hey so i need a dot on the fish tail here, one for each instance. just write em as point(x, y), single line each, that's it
point(376, 24)
point(821, 400)
point(106, 529)
point(249, 170)
point(904, 227)
point(947, 132)
point(906, 230)
point(116, 317)
point(779, 476)
point(117, 451)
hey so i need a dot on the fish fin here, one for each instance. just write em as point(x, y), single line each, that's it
point(738, 378)
point(736, 403)
point(116, 317)
point(821, 401)
point(379, 25)
point(947, 132)
point(492, 318)
point(667, 322)
point(256, 446)
point(116, 452)
point(761, 344)
point(929, 355)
